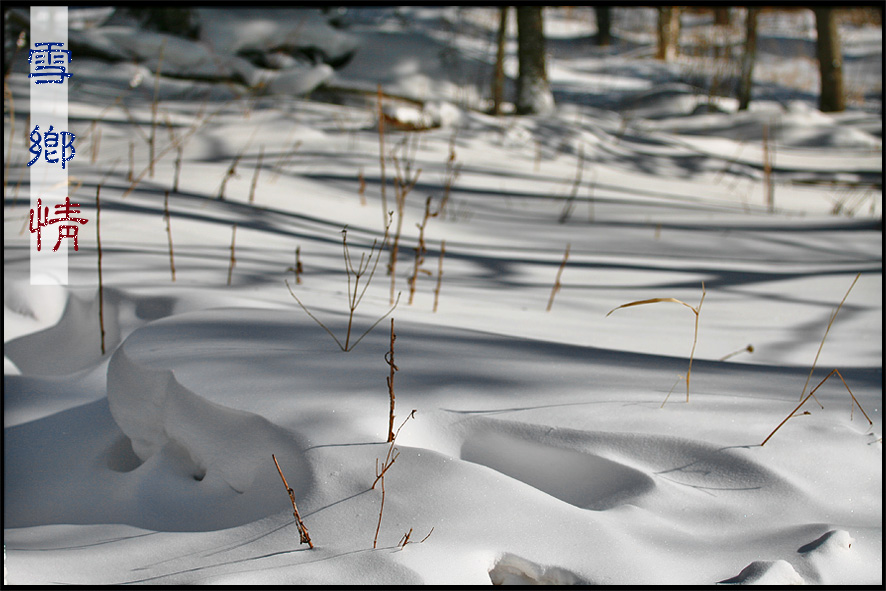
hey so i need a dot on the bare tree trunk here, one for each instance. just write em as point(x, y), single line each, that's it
point(721, 16)
point(747, 59)
point(498, 78)
point(830, 61)
point(533, 91)
point(604, 24)
point(668, 32)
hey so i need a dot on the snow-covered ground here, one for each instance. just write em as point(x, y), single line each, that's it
point(540, 450)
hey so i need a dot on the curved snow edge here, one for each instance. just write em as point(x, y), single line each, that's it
point(153, 409)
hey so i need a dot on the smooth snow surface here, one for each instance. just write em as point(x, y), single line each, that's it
point(540, 450)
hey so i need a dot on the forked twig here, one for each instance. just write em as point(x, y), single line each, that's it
point(827, 330)
point(303, 535)
point(854, 399)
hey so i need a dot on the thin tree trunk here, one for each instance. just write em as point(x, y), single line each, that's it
point(747, 60)
point(533, 91)
point(604, 23)
point(498, 79)
point(668, 32)
point(830, 61)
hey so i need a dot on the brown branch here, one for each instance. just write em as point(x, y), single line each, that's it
point(304, 537)
point(439, 274)
point(169, 234)
point(233, 261)
point(389, 359)
point(101, 290)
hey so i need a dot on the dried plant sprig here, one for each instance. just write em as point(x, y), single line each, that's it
point(389, 359)
point(421, 249)
point(167, 217)
point(261, 153)
point(695, 309)
point(439, 274)
point(827, 330)
point(233, 260)
point(381, 158)
point(303, 536)
point(810, 395)
point(297, 267)
point(557, 284)
point(570, 201)
point(355, 296)
point(748, 349)
point(390, 458)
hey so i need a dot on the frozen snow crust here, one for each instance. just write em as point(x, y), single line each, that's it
point(540, 451)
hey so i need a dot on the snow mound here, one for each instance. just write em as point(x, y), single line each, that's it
point(163, 418)
point(767, 572)
point(511, 569)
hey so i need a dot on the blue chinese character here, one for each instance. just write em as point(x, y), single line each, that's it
point(49, 62)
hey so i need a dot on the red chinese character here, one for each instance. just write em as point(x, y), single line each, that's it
point(65, 230)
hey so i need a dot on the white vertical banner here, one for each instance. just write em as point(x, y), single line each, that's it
point(48, 81)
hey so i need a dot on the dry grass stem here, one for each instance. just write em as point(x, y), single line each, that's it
point(381, 158)
point(570, 201)
point(439, 274)
point(810, 395)
point(297, 268)
point(362, 190)
point(233, 261)
point(101, 288)
point(153, 136)
point(231, 172)
point(421, 249)
point(556, 286)
point(827, 330)
point(355, 295)
point(167, 217)
point(261, 153)
point(748, 349)
point(390, 458)
point(696, 310)
point(389, 359)
point(453, 169)
point(403, 184)
point(303, 536)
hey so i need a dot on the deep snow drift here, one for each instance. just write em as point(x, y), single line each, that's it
point(540, 450)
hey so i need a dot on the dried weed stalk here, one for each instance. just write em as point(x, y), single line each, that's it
point(810, 395)
point(403, 183)
point(557, 284)
point(101, 288)
point(439, 274)
point(167, 217)
point(390, 458)
point(355, 295)
point(421, 248)
point(827, 330)
point(696, 310)
point(233, 260)
point(303, 536)
point(389, 359)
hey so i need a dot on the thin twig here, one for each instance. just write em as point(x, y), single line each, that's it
point(827, 330)
point(556, 286)
point(233, 261)
point(439, 274)
point(833, 371)
point(303, 535)
point(168, 218)
point(389, 359)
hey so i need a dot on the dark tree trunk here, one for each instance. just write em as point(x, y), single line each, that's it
point(604, 23)
point(498, 78)
point(668, 32)
point(533, 91)
point(173, 21)
point(830, 61)
point(747, 60)
point(721, 16)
